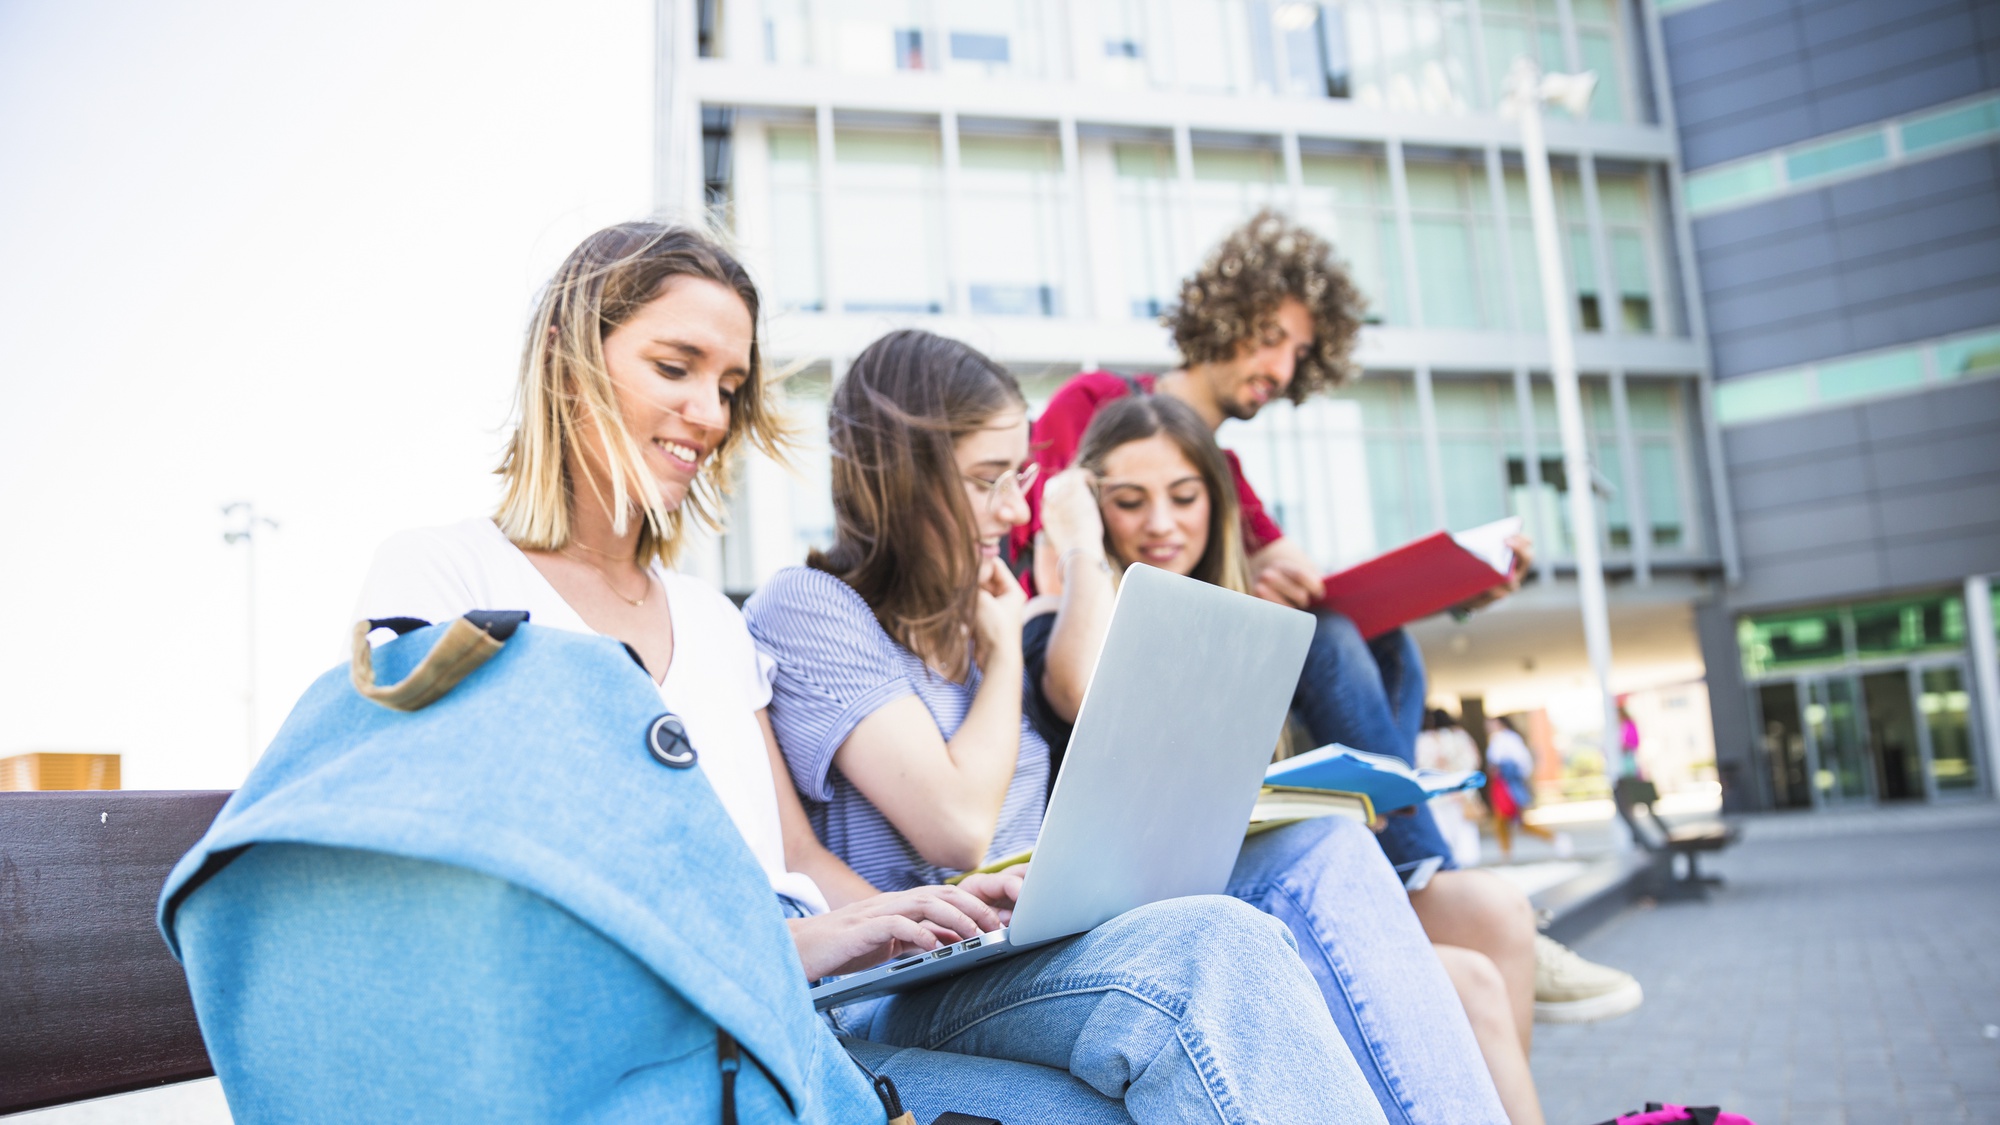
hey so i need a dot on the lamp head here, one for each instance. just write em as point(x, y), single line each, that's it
point(1570, 91)
point(1295, 16)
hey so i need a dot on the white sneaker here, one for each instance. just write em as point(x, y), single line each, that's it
point(1565, 847)
point(1569, 989)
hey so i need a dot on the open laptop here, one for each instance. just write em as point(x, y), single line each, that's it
point(1165, 764)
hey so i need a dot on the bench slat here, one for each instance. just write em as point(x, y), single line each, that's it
point(93, 1003)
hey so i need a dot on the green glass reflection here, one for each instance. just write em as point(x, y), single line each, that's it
point(1900, 628)
point(1870, 375)
point(1946, 708)
point(1764, 396)
point(1836, 731)
point(1951, 126)
point(1721, 187)
point(1774, 642)
point(1836, 156)
point(1977, 355)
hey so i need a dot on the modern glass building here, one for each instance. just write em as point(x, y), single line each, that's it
point(1843, 181)
point(1034, 176)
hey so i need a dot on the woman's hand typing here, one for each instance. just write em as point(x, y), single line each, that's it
point(889, 925)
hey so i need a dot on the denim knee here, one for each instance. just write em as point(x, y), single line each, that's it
point(1157, 938)
point(1336, 641)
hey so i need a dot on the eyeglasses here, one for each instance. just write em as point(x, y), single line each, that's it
point(1017, 482)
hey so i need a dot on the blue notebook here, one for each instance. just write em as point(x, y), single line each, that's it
point(1388, 783)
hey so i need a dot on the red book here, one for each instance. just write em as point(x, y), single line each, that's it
point(1422, 577)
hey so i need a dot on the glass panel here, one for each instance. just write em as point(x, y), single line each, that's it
point(795, 254)
point(1310, 464)
point(1789, 641)
point(1128, 62)
point(1600, 53)
point(1900, 628)
point(1229, 186)
point(1950, 126)
point(787, 32)
point(1010, 228)
point(1976, 356)
point(1722, 187)
point(1765, 396)
point(1892, 735)
point(1448, 266)
point(1147, 215)
point(1836, 156)
point(888, 182)
point(1346, 199)
point(1205, 43)
point(881, 36)
point(1784, 742)
point(1665, 507)
point(1873, 375)
point(1946, 707)
point(1836, 731)
point(993, 37)
point(1473, 442)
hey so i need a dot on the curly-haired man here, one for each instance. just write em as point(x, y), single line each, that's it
point(1271, 312)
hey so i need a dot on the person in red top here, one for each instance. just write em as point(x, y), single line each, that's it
point(1271, 313)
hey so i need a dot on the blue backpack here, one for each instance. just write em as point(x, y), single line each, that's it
point(492, 891)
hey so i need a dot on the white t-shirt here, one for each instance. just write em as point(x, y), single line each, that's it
point(717, 683)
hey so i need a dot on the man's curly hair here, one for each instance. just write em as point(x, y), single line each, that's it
point(1236, 292)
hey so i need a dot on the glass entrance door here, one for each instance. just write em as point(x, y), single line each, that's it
point(1894, 743)
point(1784, 740)
point(1833, 725)
point(1944, 706)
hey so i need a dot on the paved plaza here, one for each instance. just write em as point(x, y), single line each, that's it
point(1848, 973)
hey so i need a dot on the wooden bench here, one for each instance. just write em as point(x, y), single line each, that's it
point(94, 1004)
point(1634, 797)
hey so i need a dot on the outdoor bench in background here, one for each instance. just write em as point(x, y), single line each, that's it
point(1664, 841)
point(91, 1002)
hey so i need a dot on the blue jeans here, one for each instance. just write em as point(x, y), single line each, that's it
point(1370, 695)
point(1326, 879)
point(1188, 1010)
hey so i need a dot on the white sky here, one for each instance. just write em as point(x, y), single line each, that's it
point(268, 252)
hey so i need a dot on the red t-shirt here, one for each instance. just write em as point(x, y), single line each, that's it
point(1059, 430)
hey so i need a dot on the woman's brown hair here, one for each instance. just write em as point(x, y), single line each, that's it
point(1137, 417)
point(905, 536)
point(563, 381)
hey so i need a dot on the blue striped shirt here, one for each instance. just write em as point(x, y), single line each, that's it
point(837, 666)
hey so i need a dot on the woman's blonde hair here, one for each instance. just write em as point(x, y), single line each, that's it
point(564, 384)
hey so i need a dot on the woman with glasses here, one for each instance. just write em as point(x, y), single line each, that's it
point(898, 699)
point(640, 380)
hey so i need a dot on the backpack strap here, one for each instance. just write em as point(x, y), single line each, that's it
point(468, 642)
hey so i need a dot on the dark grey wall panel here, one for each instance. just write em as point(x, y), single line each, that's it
point(1752, 75)
point(1870, 499)
point(1903, 255)
point(1736, 760)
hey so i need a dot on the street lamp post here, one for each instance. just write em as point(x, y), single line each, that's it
point(1528, 88)
point(246, 534)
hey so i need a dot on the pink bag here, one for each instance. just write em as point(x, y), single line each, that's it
point(1659, 1114)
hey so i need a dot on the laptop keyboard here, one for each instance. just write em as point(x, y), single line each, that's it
point(943, 951)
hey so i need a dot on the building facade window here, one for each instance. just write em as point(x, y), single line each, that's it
point(1409, 55)
point(1149, 212)
point(787, 32)
point(1657, 412)
point(1230, 185)
point(888, 232)
point(1346, 198)
point(1451, 222)
point(994, 37)
point(795, 236)
point(882, 36)
point(1010, 228)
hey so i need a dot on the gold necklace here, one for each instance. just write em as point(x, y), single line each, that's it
point(606, 579)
